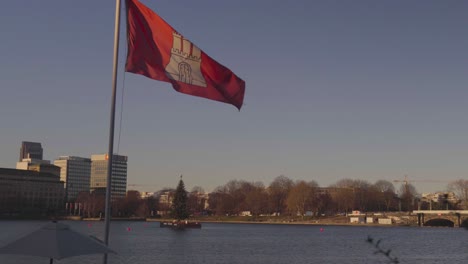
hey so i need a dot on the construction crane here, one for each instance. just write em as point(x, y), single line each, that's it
point(134, 185)
point(142, 187)
point(406, 181)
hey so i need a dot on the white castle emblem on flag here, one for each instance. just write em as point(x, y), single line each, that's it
point(184, 65)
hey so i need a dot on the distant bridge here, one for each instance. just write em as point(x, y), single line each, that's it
point(454, 218)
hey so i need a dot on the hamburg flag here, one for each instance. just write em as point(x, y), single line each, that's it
point(157, 51)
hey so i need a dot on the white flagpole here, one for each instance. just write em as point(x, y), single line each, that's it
point(110, 153)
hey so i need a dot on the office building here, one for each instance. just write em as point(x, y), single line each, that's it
point(24, 164)
point(30, 192)
point(46, 168)
point(38, 165)
point(31, 159)
point(99, 171)
point(30, 150)
point(75, 172)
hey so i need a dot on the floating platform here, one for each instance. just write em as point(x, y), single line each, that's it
point(180, 224)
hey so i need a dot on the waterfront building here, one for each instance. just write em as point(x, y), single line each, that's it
point(30, 150)
point(440, 197)
point(38, 165)
point(27, 191)
point(166, 198)
point(201, 199)
point(25, 163)
point(47, 168)
point(99, 169)
point(145, 195)
point(31, 159)
point(75, 172)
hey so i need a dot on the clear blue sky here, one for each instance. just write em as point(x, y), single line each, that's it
point(358, 89)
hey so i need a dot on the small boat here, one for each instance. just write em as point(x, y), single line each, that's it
point(180, 224)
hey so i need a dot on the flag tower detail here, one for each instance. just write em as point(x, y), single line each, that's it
point(185, 62)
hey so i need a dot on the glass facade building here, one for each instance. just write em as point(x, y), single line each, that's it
point(99, 170)
point(76, 173)
point(30, 150)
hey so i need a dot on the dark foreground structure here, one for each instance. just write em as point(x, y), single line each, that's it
point(29, 193)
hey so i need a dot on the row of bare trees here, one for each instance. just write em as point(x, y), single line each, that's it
point(460, 188)
point(133, 205)
point(282, 197)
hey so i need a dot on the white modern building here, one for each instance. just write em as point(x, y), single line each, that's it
point(145, 195)
point(75, 172)
point(25, 163)
point(99, 171)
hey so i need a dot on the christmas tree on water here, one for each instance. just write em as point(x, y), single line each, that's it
point(179, 204)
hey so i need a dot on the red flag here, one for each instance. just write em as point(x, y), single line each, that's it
point(157, 51)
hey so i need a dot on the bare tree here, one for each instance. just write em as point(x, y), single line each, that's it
point(460, 188)
point(237, 191)
point(384, 186)
point(151, 205)
point(93, 203)
point(221, 202)
point(196, 200)
point(257, 200)
point(197, 189)
point(314, 202)
point(386, 191)
point(363, 195)
point(234, 196)
point(342, 193)
point(349, 194)
point(128, 205)
point(301, 198)
point(278, 192)
point(324, 202)
point(407, 195)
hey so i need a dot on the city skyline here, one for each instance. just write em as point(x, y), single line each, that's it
point(360, 90)
point(94, 159)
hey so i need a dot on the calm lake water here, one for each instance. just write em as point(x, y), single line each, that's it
point(143, 243)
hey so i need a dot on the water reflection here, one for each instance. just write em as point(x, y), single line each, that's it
point(142, 243)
